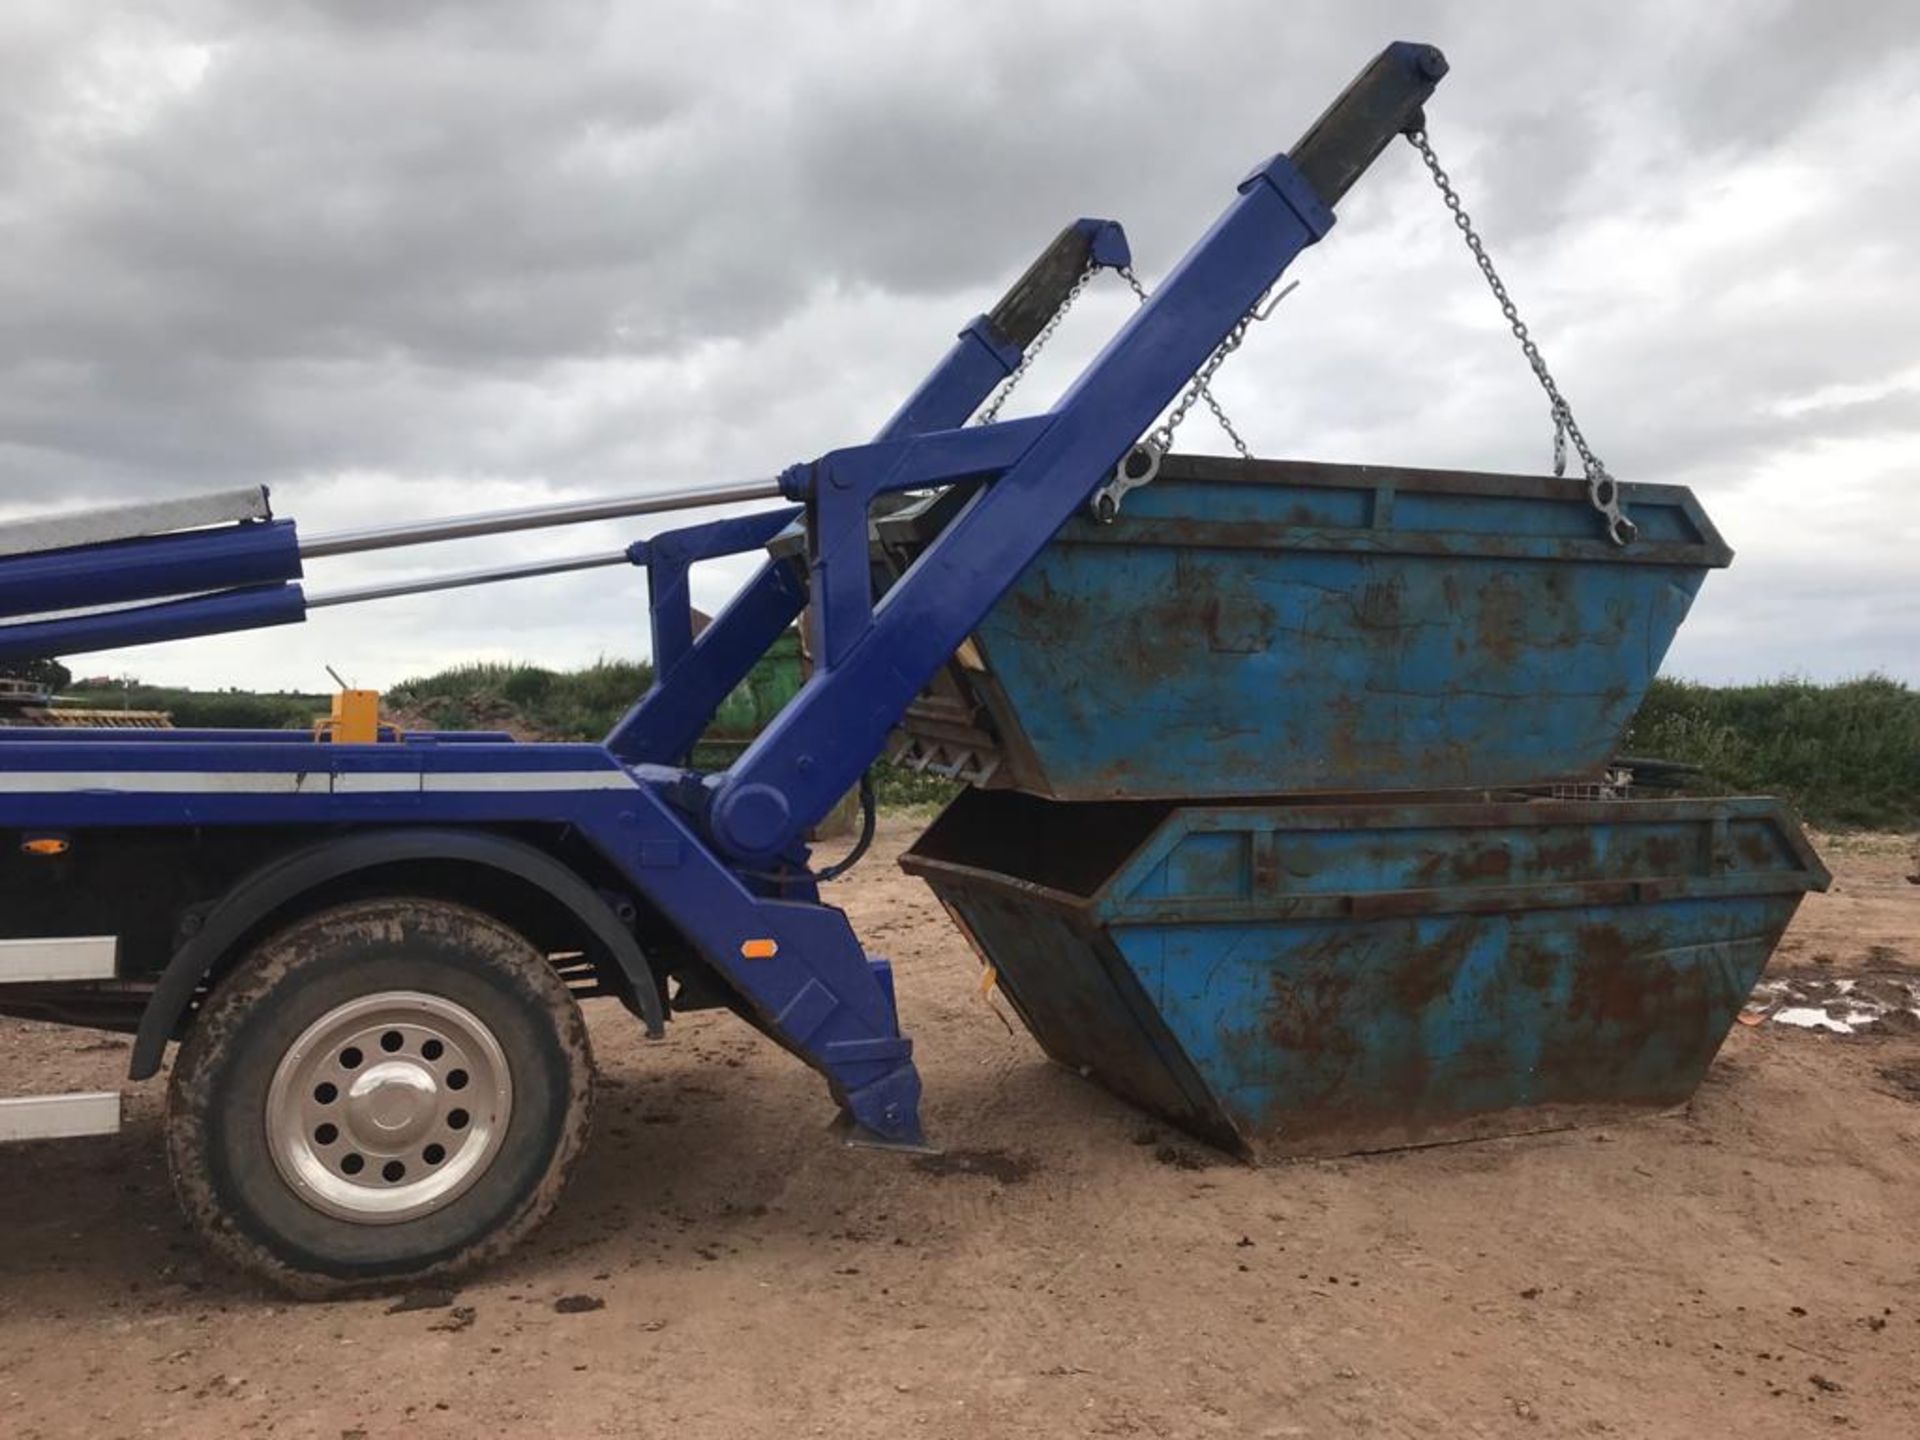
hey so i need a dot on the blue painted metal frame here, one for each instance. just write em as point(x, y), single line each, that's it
point(668, 557)
point(217, 614)
point(664, 724)
point(229, 577)
point(817, 993)
point(190, 563)
point(875, 659)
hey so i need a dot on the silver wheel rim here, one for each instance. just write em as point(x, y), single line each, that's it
point(389, 1107)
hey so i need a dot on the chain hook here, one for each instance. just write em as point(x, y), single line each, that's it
point(1139, 466)
point(1142, 462)
point(1261, 312)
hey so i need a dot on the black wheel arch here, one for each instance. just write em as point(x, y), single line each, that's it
point(279, 886)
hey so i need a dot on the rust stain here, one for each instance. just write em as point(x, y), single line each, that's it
point(1488, 861)
point(1615, 983)
point(1036, 601)
point(1213, 869)
point(1347, 752)
point(1570, 859)
point(1668, 854)
point(1242, 625)
point(1304, 1013)
point(1379, 606)
point(1430, 971)
point(1533, 963)
point(1427, 873)
point(1494, 862)
point(1502, 622)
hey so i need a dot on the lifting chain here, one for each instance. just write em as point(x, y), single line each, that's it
point(1602, 490)
point(1162, 438)
point(1143, 461)
point(1012, 382)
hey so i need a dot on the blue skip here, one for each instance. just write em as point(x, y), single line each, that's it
point(1248, 627)
point(1285, 978)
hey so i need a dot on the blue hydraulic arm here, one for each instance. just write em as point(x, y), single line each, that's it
point(873, 660)
point(990, 347)
point(692, 678)
point(236, 577)
point(221, 613)
point(261, 553)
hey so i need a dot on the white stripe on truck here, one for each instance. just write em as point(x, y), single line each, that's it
point(65, 957)
point(308, 782)
point(60, 1117)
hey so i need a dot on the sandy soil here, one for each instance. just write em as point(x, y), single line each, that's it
point(1749, 1268)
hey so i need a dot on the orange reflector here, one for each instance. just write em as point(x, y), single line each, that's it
point(759, 949)
point(47, 845)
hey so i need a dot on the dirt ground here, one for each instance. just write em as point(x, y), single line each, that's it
point(721, 1268)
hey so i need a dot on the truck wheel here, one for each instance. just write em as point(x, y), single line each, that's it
point(382, 1092)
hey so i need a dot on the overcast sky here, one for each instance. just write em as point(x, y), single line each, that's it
point(397, 259)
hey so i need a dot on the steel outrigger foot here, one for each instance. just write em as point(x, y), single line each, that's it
point(884, 1109)
point(855, 1136)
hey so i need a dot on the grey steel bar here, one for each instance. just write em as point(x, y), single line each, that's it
point(126, 522)
point(498, 522)
point(428, 583)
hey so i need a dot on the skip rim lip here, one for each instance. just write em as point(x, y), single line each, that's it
point(1124, 839)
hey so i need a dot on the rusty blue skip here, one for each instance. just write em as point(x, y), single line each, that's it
point(1301, 977)
point(1266, 627)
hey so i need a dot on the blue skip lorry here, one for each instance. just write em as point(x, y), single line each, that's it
point(1290, 809)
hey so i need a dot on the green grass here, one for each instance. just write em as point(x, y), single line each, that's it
point(207, 709)
point(552, 704)
point(898, 789)
point(584, 705)
point(1845, 754)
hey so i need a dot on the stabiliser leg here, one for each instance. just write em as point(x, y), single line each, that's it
point(797, 967)
point(803, 975)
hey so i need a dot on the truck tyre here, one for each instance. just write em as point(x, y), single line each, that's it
point(386, 1091)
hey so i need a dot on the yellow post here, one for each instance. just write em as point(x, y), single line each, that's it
point(355, 719)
